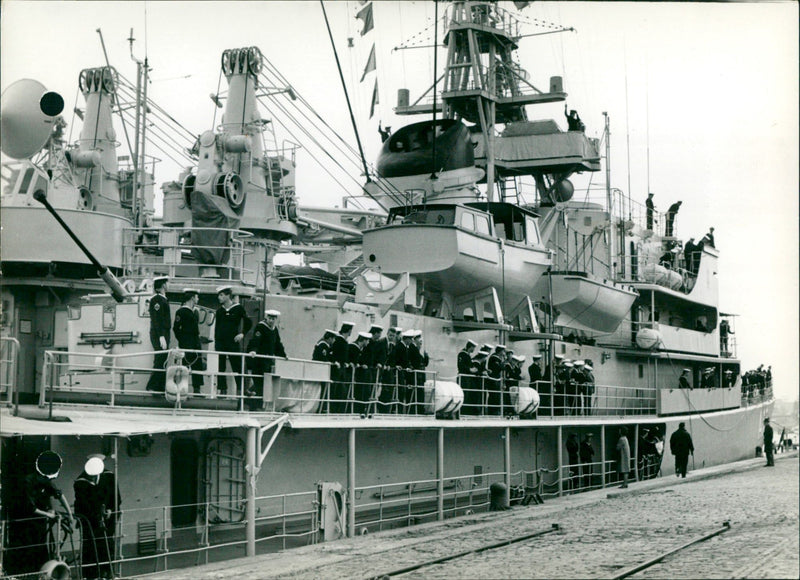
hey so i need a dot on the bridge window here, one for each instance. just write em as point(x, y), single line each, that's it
point(482, 225)
point(468, 221)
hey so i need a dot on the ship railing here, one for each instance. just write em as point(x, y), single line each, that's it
point(9, 363)
point(169, 251)
point(407, 503)
point(754, 394)
point(150, 539)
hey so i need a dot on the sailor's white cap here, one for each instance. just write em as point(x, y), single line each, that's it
point(94, 466)
point(589, 367)
point(159, 281)
point(408, 333)
point(558, 356)
point(190, 291)
point(518, 358)
point(329, 332)
point(567, 363)
point(686, 370)
point(272, 312)
point(396, 329)
point(486, 348)
point(578, 363)
point(500, 347)
point(226, 288)
point(417, 333)
point(471, 342)
point(375, 328)
point(534, 356)
point(364, 335)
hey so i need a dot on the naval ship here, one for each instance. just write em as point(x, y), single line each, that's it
point(575, 318)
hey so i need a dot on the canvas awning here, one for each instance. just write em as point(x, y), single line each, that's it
point(116, 424)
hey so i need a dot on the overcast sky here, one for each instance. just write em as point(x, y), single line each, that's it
point(706, 94)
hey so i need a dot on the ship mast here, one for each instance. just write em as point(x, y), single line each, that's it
point(612, 234)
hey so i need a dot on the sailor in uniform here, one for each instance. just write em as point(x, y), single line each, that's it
point(95, 507)
point(405, 375)
point(683, 380)
point(230, 326)
point(322, 350)
point(494, 368)
point(160, 325)
point(187, 333)
point(266, 341)
point(466, 370)
point(577, 392)
point(588, 387)
point(340, 375)
point(358, 357)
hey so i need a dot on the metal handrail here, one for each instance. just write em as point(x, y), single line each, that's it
point(9, 363)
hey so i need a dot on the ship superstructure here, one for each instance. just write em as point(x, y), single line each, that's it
point(330, 447)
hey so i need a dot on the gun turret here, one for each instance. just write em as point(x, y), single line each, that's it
point(117, 291)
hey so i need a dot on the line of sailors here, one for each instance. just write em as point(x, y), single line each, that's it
point(487, 375)
point(385, 371)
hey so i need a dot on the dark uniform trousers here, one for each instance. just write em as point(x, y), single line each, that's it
point(159, 327)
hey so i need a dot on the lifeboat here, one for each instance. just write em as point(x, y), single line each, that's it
point(658, 274)
point(587, 303)
point(461, 248)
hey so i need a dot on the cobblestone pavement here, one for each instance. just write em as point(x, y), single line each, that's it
point(601, 533)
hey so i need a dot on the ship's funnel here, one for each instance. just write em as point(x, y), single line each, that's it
point(28, 113)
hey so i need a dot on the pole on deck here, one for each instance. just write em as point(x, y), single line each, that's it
point(440, 475)
point(636, 451)
point(507, 455)
point(351, 484)
point(250, 490)
point(603, 453)
point(560, 460)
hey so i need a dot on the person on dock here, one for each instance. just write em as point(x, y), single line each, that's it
point(669, 228)
point(187, 332)
point(160, 327)
point(768, 447)
point(231, 325)
point(623, 456)
point(681, 446)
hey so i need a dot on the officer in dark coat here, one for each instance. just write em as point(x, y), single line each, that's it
point(681, 446)
point(341, 375)
point(768, 449)
point(405, 373)
point(650, 210)
point(95, 507)
point(494, 368)
point(358, 358)
point(187, 333)
point(466, 370)
point(231, 324)
point(588, 387)
point(266, 341)
point(683, 380)
point(160, 325)
point(389, 372)
point(418, 361)
point(573, 453)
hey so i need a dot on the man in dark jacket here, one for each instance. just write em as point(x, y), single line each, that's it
point(266, 341)
point(322, 350)
point(573, 452)
point(669, 229)
point(340, 373)
point(358, 357)
point(494, 368)
point(587, 457)
point(681, 446)
point(95, 508)
point(231, 324)
point(160, 325)
point(187, 333)
point(768, 450)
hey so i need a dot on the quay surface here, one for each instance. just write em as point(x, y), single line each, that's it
point(602, 532)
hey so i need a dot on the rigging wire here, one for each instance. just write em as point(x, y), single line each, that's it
point(344, 87)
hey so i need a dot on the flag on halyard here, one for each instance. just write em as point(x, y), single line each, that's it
point(365, 15)
point(374, 99)
point(370, 64)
